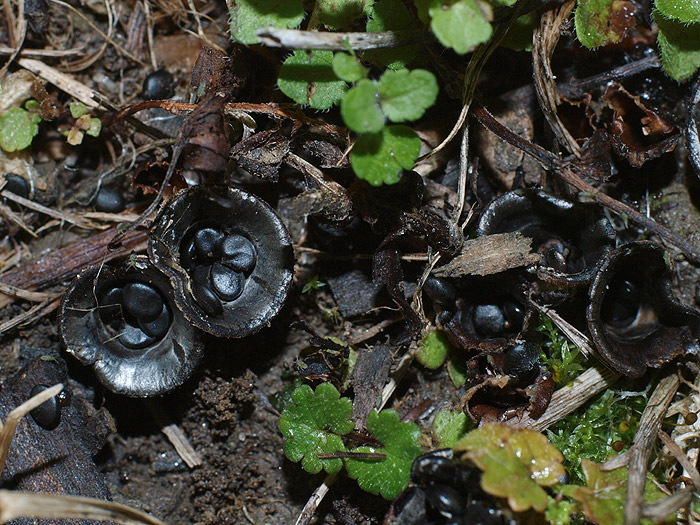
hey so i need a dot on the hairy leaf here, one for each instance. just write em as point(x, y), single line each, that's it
point(339, 14)
point(680, 47)
point(388, 476)
point(687, 11)
point(601, 22)
point(17, 129)
point(248, 16)
point(312, 424)
point(390, 15)
point(449, 427)
point(433, 349)
point(307, 78)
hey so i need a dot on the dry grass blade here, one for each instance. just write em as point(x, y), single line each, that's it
point(35, 312)
point(15, 505)
point(7, 430)
point(298, 39)
point(678, 453)
point(49, 211)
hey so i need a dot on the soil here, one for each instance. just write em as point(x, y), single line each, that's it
point(227, 408)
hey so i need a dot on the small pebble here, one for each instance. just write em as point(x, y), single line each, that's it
point(208, 242)
point(488, 320)
point(48, 414)
point(17, 185)
point(142, 301)
point(227, 283)
point(239, 253)
point(109, 200)
point(188, 257)
point(158, 85)
point(159, 326)
point(134, 337)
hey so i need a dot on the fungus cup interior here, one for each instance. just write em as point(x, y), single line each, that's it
point(633, 317)
point(572, 237)
point(228, 256)
point(98, 329)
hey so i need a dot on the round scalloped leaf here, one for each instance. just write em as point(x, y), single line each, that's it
point(360, 109)
point(340, 14)
point(687, 11)
point(307, 78)
point(601, 22)
point(405, 95)
point(17, 129)
point(379, 158)
point(248, 16)
point(515, 464)
point(388, 476)
point(312, 424)
point(348, 67)
point(461, 25)
point(680, 47)
point(432, 350)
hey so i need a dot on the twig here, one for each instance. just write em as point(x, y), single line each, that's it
point(568, 173)
point(315, 500)
point(49, 53)
point(14, 504)
point(175, 435)
point(298, 39)
point(678, 453)
point(570, 331)
point(649, 426)
point(35, 312)
point(659, 511)
point(567, 399)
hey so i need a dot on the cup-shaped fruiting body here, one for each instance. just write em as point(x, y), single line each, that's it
point(123, 321)
point(692, 132)
point(480, 313)
point(229, 258)
point(633, 317)
point(571, 237)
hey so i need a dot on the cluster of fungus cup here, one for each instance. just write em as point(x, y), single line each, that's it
point(571, 237)
point(123, 321)
point(229, 258)
point(633, 318)
point(220, 261)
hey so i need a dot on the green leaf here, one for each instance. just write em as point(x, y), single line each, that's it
point(461, 24)
point(680, 47)
point(77, 109)
point(433, 349)
point(95, 127)
point(519, 36)
point(390, 15)
point(406, 95)
point(516, 463)
point(313, 424)
point(17, 129)
point(603, 499)
point(360, 108)
point(307, 78)
point(248, 16)
point(601, 22)
point(449, 427)
point(687, 11)
point(388, 476)
point(379, 158)
point(348, 68)
point(340, 14)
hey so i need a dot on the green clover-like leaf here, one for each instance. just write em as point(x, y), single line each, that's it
point(516, 463)
point(340, 14)
point(17, 129)
point(405, 95)
point(449, 426)
point(433, 349)
point(390, 15)
point(388, 476)
point(313, 423)
point(77, 109)
point(95, 127)
point(601, 22)
point(347, 67)
point(248, 16)
point(360, 108)
point(379, 158)
point(603, 497)
point(307, 78)
point(680, 47)
point(687, 11)
point(458, 24)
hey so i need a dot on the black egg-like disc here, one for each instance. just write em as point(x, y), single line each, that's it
point(207, 299)
point(239, 253)
point(48, 414)
point(133, 337)
point(159, 326)
point(142, 301)
point(208, 242)
point(488, 319)
point(226, 282)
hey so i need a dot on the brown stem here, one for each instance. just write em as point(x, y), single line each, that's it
point(567, 172)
